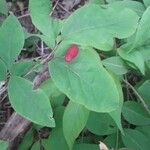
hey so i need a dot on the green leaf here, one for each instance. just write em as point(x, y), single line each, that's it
point(135, 114)
point(138, 7)
point(27, 140)
point(148, 67)
point(56, 140)
point(135, 140)
point(26, 101)
point(22, 67)
point(3, 145)
point(114, 141)
point(3, 7)
point(40, 15)
point(11, 40)
point(144, 91)
point(116, 65)
point(134, 57)
point(79, 81)
point(144, 130)
point(111, 1)
point(102, 27)
point(143, 33)
point(41, 10)
point(74, 120)
point(3, 70)
point(116, 114)
point(1, 23)
point(56, 97)
point(137, 52)
point(144, 50)
point(101, 124)
point(146, 2)
point(97, 1)
point(36, 146)
point(86, 147)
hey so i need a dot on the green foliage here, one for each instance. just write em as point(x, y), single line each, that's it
point(56, 139)
point(11, 40)
point(27, 140)
point(114, 140)
point(134, 139)
point(85, 79)
point(116, 114)
point(145, 130)
point(135, 113)
point(97, 1)
point(142, 34)
point(100, 30)
point(74, 120)
point(3, 7)
point(3, 70)
point(26, 101)
point(116, 65)
point(138, 7)
point(84, 100)
point(101, 124)
point(144, 91)
point(146, 2)
point(3, 145)
point(133, 57)
point(36, 146)
point(21, 68)
point(40, 15)
point(56, 97)
point(138, 51)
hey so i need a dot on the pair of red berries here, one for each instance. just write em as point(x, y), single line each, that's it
point(71, 53)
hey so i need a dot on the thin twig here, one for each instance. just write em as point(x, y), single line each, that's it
point(137, 94)
point(50, 55)
point(54, 7)
point(64, 9)
point(23, 16)
point(2, 90)
point(42, 47)
point(48, 58)
point(127, 88)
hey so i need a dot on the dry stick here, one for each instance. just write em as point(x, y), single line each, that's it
point(127, 88)
point(137, 94)
point(48, 58)
point(22, 16)
point(64, 9)
point(2, 90)
point(42, 47)
point(14, 126)
point(54, 7)
point(14, 129)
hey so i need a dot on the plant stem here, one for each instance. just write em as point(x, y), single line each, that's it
point(117, 138)
point(137, 94)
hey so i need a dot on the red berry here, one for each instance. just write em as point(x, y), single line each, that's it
point(71, 53)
